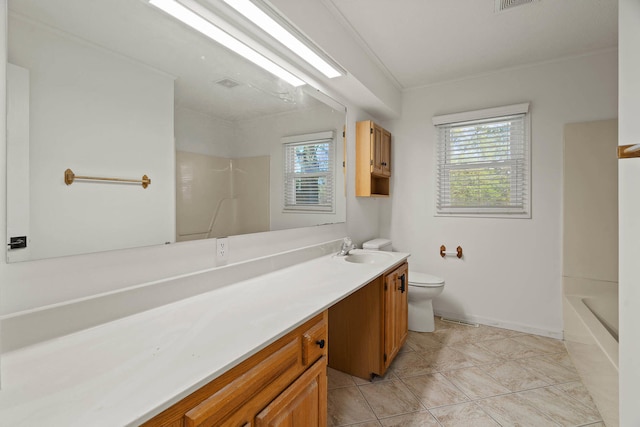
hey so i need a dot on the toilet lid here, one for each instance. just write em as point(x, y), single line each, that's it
point(417, 278)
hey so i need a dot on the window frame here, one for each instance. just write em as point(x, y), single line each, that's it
point(309, 139)
point(478, 116)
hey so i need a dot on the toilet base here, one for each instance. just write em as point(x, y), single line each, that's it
point(421, 317)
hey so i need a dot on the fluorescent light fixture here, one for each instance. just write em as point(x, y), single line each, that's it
point(269, 25)
point(200, 24)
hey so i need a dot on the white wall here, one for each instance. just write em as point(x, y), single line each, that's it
point(100, 115)
point(511, 271)
point(629, 196)
point(200, 133)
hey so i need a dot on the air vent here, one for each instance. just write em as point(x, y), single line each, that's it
point(228, 83)
point(509, 4)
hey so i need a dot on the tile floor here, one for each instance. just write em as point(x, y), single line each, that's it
point(462, 376)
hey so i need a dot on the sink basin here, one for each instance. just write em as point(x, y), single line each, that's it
point(367, 257)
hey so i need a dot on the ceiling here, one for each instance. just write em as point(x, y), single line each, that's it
point(422, 42)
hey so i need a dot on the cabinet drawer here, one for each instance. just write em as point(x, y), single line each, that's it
point(303, 403)
point(239, 400)
point(314, 342)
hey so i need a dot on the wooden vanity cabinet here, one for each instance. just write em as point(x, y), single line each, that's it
point(373, 160)
point(283, 384)
point(368, 328)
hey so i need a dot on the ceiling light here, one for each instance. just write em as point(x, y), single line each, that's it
point(269, 25)
point(200, 24)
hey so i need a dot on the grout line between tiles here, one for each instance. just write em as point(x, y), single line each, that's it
point(488, 414)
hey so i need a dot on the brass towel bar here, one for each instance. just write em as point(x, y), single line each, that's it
point(69, 177)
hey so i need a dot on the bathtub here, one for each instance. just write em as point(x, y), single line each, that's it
point(590, 310)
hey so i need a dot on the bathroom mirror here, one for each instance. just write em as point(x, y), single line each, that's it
point(119, 89)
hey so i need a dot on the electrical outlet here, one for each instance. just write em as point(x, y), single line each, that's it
point(223, 249)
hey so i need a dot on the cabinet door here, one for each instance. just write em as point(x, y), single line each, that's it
point(303, 403)
point(385, 153)
point(390, 315)
point(376, 149)
point(395, 313)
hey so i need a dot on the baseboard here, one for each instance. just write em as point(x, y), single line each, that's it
point(500, 324)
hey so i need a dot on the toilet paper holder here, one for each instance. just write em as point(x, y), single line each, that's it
point(444, 253)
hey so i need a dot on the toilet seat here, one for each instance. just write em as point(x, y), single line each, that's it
point(424, 280)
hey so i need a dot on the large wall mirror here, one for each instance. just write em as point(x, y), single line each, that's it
point(119, 89)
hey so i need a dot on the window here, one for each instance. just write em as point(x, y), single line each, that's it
point(483, 162)
point(309, 172)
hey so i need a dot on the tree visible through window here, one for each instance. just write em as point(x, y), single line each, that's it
point(309, 177)
point(483, 166)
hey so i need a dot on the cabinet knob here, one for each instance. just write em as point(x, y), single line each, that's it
point(320, 343)
point(403, 284)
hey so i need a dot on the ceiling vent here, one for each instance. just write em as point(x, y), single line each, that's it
point(228, 83)
point(510, 4)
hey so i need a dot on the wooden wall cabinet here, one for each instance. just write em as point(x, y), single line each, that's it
point(373, 160)
point(369, 327)
point(284, 384)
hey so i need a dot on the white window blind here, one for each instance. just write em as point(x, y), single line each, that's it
point(483, 163)
point(309, 181)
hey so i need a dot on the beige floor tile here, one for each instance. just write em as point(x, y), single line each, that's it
point(441, 324)
point(423, 340)
point(561, 359)
point(367, 424)
point(406, 347)
point(551, 372)
point(478, 355)
point(513, 376)
point(389, 375)
point(460, 335)
point(416, 419)
point(490, 333)
point(463, 415)
point(511, 411)
point(511, 333)
point(579, 392)
point(519, 379)
point(475, 383)
point(560, 407)
point(390, 398)
point(337, 379)
point(543, 344)
point(410, 364)
point(434, 390)
point(508, 348)
point(347, 406)
point(446, 359)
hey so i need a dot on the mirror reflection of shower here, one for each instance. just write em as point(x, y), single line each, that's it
point(220, 197)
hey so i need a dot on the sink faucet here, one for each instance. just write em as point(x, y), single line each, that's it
point(347, 246)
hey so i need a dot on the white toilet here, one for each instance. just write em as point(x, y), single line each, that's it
point(423, 288)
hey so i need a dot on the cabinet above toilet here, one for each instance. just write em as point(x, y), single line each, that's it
point(373, 160)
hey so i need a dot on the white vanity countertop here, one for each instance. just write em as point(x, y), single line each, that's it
point(125, 372)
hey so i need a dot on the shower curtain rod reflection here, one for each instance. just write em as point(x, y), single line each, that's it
point(69, 177)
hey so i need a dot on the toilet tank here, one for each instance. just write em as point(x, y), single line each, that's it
point(377, 245)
